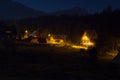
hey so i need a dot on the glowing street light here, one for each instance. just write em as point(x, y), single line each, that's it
point(26, 31)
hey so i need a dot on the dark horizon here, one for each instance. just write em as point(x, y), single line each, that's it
point(55, 5)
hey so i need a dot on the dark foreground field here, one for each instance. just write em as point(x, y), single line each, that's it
point(30, 64)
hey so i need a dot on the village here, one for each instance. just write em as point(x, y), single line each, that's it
point(55, 47)
point(88, 38)
point(60, 42)
point(54, 52)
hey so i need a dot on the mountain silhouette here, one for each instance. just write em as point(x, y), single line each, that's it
point(14, 10)
point(11, 10)
point(73, 11)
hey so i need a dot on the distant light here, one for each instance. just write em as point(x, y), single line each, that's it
point(79, 47)
point(26, 31)
point(49, 35)
point(55, 41)
point(85, 41)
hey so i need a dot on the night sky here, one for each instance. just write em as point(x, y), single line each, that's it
point(56, 5)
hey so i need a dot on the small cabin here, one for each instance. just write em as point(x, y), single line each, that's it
point(7, 34)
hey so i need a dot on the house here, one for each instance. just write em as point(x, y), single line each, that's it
point(8, 35)
point(56, 39)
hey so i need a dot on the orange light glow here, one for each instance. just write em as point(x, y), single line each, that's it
point(26, 31)
point(85, 41)
point(49, 35)
point(79, 47)
point(52, 40)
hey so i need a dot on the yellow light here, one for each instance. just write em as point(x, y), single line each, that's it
point(85, 41)
point(85, 38)
point(79, 47)
point(52, 40)
point(88, 44)
point(26, 31)
point(61, 41)
point(49, 35)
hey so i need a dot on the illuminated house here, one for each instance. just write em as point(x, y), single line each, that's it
point(25, 35)
point(56, 39)
point(30, 37)
point(87, 40)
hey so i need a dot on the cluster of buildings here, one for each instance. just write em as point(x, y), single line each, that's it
point(8, 33)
